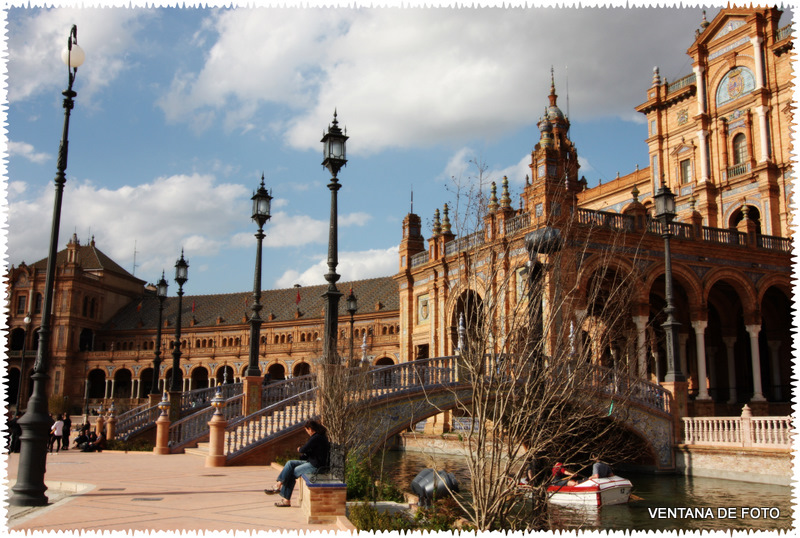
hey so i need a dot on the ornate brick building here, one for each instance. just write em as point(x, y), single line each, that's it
point(719, 138)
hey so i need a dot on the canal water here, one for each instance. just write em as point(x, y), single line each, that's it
point(668, 502)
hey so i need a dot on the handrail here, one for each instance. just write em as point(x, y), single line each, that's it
point(463, 243)
point(744, 431)
point(726, 236)
point(515, 224)
point(131, 412)
point(681, 83)
point(783, 33)
point(420, 258)
point(195, 426)
point(286, 388)
point(606, 219)
point(202, 397)
point(771, 242)
point(133, 424)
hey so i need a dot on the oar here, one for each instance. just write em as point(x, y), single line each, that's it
point(635, 498)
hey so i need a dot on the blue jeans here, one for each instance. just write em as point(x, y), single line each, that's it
point(293, 470)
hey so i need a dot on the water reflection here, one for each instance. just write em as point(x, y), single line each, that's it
point(669, 502)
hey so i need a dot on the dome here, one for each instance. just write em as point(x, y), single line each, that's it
point(554, 114)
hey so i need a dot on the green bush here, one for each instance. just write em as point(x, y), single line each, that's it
point(440, 516)
point(366, 517)
point(366, 483)
point(137, 445)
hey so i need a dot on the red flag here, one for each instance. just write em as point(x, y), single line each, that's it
point(297, 301)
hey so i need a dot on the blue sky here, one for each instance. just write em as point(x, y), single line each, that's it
point(179, 111)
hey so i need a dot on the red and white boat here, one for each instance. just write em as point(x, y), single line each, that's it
point(592, 492)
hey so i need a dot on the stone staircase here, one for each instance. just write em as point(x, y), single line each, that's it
point(200, 450)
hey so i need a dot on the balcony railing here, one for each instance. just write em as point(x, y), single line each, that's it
point(605, 219)
point(420, 258)
point(783, 33)
point(520, 222)
point(681, 230)
point(464, 243)
point(725, 236)
point(738, 170)
point(771, 242)
point(761, 432)
point(681, 83)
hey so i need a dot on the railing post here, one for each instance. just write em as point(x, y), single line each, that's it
point(747, 426)
point(99, 426)
point(216, 434)
point(111, 423)
point(162, 427)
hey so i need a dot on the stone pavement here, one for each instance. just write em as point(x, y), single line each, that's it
point(139, 491)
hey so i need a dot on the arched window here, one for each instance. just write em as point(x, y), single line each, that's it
point(739, 148)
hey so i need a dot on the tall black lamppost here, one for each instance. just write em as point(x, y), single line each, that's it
point(35, 423)
point(665, 213)
point(181, 276)
point(161, 293)
point(27, 322)
point(333, 150)
point(261, 201)
point(352, 308)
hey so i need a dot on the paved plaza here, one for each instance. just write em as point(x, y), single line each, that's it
point(139, 491)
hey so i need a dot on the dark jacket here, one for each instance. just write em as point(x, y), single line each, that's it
point(316, 450)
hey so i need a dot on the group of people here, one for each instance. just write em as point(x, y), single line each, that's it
point(564, 477)
point(90, 441)
point(59, 432)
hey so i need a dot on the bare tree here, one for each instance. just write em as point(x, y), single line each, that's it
point(546, 343)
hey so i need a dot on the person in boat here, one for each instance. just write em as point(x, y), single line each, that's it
point(600, 469)
point(563, 476)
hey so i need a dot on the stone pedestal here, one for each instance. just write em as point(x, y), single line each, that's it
point(162, 434)
point(111, 427)
point(216, 441)
point(678, 405)
point(99, 426)
point(323, 501)
point(252, 394)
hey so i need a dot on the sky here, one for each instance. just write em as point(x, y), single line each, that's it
point(179, 111)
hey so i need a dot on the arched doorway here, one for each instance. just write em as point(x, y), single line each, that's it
point(122, 383)
point(752, 213)
point(300, 369)
point(469, 309)
point(13, 377)
point(276, 372)
point(225, 375)
point(384, 361)
point(16, 339)
point(97, 383)
point(145, 382)
point(199, 378)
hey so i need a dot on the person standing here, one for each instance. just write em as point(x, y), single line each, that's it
point(56, 434)
point(67, 429)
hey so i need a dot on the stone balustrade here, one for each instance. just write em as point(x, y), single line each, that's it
point(744, 431)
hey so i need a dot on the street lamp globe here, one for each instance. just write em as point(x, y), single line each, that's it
point(161, 287)
point(352, 303)
point(181, 271)
point(665, 205)
point(261, 204)
point(334, 148)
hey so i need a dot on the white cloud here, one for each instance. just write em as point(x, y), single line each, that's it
point(27, 151)
point(107, 36)
point(352, 266)
point(419, 77)
point(190, 211)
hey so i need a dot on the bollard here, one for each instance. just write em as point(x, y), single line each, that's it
point(216, 433)
point(162, 427)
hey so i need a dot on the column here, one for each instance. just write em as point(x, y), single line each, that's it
point(700, 337)
point(730, 341)
point(641, 345)
point(762, 128)
point(759, 59)
point(682, 338)
point(113, 383)
point(704, 174)
point(711, 364)
point(701, 89)
point(755, 357)
point(774, 347)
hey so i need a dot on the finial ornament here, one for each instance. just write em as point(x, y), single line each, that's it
point(437, 226)
point(635, 194)
point(446, 220)
point(493, 199)
point(505, 199)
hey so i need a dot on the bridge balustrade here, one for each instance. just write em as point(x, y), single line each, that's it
point(199, 398)
point(286, 388)
point(195, 426)
point(762, 432)
point(128, 426)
